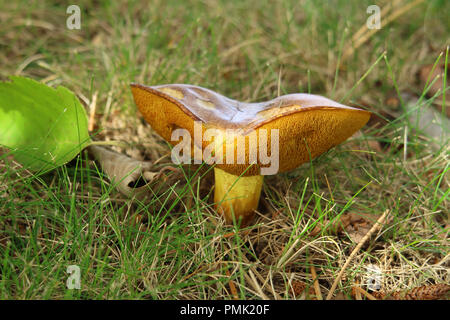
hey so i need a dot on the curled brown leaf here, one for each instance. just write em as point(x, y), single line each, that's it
point(132, 177)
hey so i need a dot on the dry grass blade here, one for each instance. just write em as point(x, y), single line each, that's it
point(374, 228)
point(357, 291)
point(27, 62)
point(383, 13)
point(255, 284)
point(366, 36)
point(316, 283)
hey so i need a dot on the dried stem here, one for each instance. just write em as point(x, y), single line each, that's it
point(374, 228)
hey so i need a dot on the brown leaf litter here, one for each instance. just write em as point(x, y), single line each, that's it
point(353, 224)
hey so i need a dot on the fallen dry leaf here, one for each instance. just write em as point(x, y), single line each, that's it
point(132, 177)
point(340, 296)
point(355, 225)
point(298, 287)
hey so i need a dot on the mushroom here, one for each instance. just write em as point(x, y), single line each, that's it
point(246, 140)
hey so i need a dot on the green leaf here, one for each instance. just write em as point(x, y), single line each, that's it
point(43, 126)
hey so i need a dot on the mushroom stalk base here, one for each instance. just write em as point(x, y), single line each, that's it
point(237, 196)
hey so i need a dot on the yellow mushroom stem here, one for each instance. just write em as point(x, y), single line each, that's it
point(236, 196)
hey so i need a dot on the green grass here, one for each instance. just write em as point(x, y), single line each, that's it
point(250, 51)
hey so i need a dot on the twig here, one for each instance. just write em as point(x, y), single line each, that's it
point(316, 283)
point(365, 293)
point(372, 230)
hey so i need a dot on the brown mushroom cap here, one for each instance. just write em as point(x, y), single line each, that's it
point(308, 124)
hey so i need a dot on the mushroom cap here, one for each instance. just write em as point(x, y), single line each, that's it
point(307, 124)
